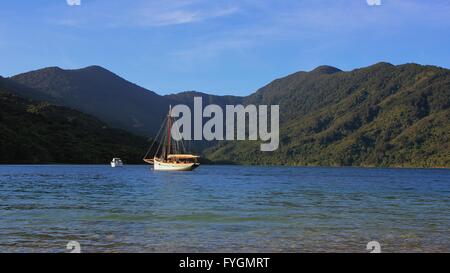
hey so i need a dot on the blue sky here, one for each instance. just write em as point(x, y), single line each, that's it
point(221, 47)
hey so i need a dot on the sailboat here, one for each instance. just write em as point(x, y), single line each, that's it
point(170, 156)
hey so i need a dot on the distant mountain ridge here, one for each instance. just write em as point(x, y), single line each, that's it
point(381, 115)
point(97, 91)
point(33, 131)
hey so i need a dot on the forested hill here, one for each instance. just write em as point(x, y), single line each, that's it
point(382, 115)
point(37, 132)
point(99, 92)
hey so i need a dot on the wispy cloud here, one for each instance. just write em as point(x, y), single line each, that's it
point(156, 13)
point(164, 16)
point(275, 23)
point(204, 49)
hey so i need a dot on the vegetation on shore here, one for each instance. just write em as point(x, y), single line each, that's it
point(38, 132)
point(379, 116)
point(383, 115)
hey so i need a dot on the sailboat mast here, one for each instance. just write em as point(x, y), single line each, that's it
point(169, 125)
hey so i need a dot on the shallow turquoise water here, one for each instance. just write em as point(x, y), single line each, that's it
point(223, 209)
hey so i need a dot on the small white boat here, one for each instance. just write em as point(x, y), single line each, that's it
point(116, 162)
point(169, 156)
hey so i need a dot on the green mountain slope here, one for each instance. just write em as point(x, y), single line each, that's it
point(96, 91)
point(383, 115)
point(37, 132)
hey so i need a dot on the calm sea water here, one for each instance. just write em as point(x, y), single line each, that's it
point(223, 209)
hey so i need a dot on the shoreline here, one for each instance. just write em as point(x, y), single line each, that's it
point(240, 165)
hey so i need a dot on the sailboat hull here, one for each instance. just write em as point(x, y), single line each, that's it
point(168, 166)
point(170, 158)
